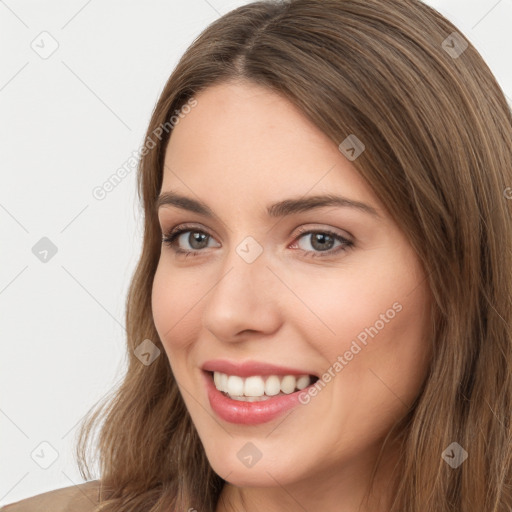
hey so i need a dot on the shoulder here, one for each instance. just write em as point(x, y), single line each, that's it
point(75, 498)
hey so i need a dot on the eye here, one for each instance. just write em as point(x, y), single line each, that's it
point(197, 238)
point(321, 241)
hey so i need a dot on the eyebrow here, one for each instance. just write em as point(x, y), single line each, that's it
point(279, 209)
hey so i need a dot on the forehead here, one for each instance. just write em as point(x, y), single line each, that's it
point(243, 140)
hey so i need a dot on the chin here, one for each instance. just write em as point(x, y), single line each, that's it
point(243, 464)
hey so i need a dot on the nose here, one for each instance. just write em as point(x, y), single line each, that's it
point(243, 299)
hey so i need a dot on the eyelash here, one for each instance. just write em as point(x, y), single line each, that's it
point(170, 238)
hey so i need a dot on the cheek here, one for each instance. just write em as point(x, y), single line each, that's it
point(384, 342)
point(374, 316)
point(349, 304)
point(380, 322)
point(173, 298)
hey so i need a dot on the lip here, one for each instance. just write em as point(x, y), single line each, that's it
point(249, 413)
point(249, 368)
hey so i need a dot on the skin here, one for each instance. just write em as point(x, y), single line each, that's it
point(241, 148)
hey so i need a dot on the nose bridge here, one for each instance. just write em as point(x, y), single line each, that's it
point(244, 266)
point(249, 250)
point(241, 299)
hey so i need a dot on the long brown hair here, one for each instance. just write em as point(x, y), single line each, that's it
point(438, 135)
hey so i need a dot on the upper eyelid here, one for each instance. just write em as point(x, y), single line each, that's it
point(184, 227)
point(163, 219)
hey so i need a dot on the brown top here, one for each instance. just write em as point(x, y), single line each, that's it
point(76, 498)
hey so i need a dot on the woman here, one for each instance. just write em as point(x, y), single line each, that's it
point(321, 315)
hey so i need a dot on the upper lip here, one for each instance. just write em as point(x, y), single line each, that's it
point(248, 368)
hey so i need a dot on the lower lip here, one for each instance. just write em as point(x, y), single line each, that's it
point(249, 413)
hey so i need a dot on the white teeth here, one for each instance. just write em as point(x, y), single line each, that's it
point(216, 379)
point(288, 384)
point(256, 388)
point(250, 398)
point(303, 382)
point(272, 385)
point(223, 382)
point(235, 385)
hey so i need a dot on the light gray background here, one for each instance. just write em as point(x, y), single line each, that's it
point(67, 123)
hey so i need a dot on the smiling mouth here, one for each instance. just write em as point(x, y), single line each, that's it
point(258, 388)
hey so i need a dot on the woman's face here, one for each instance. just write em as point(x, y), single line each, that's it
point(280, 292)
